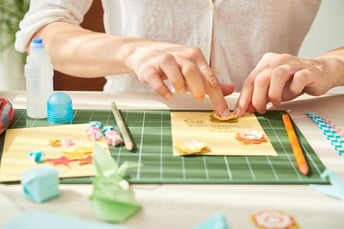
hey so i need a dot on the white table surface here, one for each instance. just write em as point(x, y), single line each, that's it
point(186, 206)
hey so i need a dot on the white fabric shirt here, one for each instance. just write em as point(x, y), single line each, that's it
point(233, 34)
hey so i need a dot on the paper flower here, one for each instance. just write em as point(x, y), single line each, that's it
point(232, 117)
point(113, 138)
point(107, 128)
point(111, 199)
point(273, 220)
point(93, 133)
point(97, 124)
point(55, 142)
point(251, 136)
point(193, 146)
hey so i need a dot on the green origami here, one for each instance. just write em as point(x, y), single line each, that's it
point(111, 199)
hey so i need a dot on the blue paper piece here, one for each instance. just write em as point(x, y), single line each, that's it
point(37, 156)
point(41, 183)
point(33, 219)
point(336, 189)
point(216, 221)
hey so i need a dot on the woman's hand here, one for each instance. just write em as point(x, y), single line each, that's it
point(184, 67)
point(282, 77)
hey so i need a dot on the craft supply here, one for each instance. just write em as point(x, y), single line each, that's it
point(41, 183)
point(274, 220)
point(69, 142)
point(233, 117)
point(19, 142)
point(37, 156)
point(85, 161)
point(220, 136)
point(60, 108)
point(193, 146)
point(113, 138)
point(152, 129)
point(97, 124)
point(79, 152)
point(335, 189)
point(61, 161)
point(216, 221)
point(55, 142)
point(93, 133)
point(6, 114)
point(111, 199)
point(251, 136)
point(333, 134)
point(295, 145)
point(38, 73)
point(128, 142)
point(107, 128)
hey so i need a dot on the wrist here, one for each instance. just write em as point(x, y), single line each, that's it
point(333, 63)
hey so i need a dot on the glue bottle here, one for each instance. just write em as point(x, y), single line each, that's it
point(38, 73)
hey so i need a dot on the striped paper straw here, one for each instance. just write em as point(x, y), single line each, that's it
point(333, 134)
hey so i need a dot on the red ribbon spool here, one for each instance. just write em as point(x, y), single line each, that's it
point(6, 114)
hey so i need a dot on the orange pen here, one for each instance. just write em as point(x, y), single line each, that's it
point(295, 145)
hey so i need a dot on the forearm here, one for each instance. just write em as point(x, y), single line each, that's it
point(334, 66)
point(83, 53)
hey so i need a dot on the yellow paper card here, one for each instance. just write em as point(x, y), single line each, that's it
point(220, 137)
point(20, 142)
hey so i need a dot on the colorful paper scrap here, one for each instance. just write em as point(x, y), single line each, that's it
point(333, 134)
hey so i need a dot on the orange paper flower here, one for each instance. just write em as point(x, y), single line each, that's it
point(55, 142)
point(274, 220)
point(251, 136)
point(232, 117)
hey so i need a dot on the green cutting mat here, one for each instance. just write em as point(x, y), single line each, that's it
point(151, 132)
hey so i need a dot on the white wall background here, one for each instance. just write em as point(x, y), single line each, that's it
point(327, 31)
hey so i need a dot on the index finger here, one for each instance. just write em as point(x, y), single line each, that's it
point(213, 89)
point(217, 99)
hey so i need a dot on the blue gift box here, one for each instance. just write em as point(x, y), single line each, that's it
point(41, 183)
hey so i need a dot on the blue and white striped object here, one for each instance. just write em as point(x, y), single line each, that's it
point(333, 134)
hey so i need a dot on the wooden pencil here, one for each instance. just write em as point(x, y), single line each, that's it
point(296, 147)
point(128, 142)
